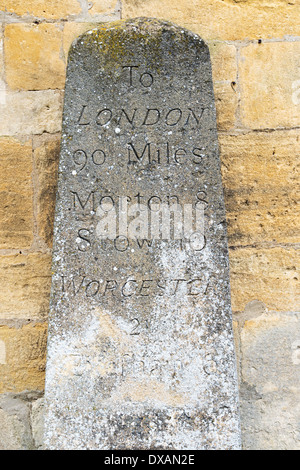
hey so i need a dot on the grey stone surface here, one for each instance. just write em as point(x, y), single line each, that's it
point(140, 350)
point(37, 422)
point(12, 432)
point(270, 407)
point(15, 429)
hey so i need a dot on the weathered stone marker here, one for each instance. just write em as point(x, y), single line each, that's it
point(141, 352)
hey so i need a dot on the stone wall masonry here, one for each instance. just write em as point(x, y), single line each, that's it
point(254, 48)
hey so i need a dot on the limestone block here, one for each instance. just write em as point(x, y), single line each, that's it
point(33, 56)
point(25, 284)
point(269, 80)
point(41, 9)
point(227, 20)
point(223, 61)
point(259, 173)
point(226, 104)
point(267, 275)
point(102, 6)
point(31, 112)
point(23, 365)
point(16, 209)
point(46, 154)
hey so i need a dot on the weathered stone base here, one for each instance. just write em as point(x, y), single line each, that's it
point(21, 421)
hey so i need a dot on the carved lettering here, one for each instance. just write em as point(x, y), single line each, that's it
point(145, 79)
point(142, 242)
point(152, 117)
point(90, 199)
point(104, 117)
point(140, 117)
point(129, 119)
point(83, 233)
point(173, 117)
point(131, 68)
point(134, 287)
point(65, 287)
point(139, 158)
point(110, 286)
point(81, 118)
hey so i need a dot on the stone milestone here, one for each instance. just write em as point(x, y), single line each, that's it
point(140, 350)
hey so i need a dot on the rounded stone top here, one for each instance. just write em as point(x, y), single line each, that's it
point(142, 26)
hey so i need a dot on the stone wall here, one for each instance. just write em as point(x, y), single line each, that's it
point(255, 54)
